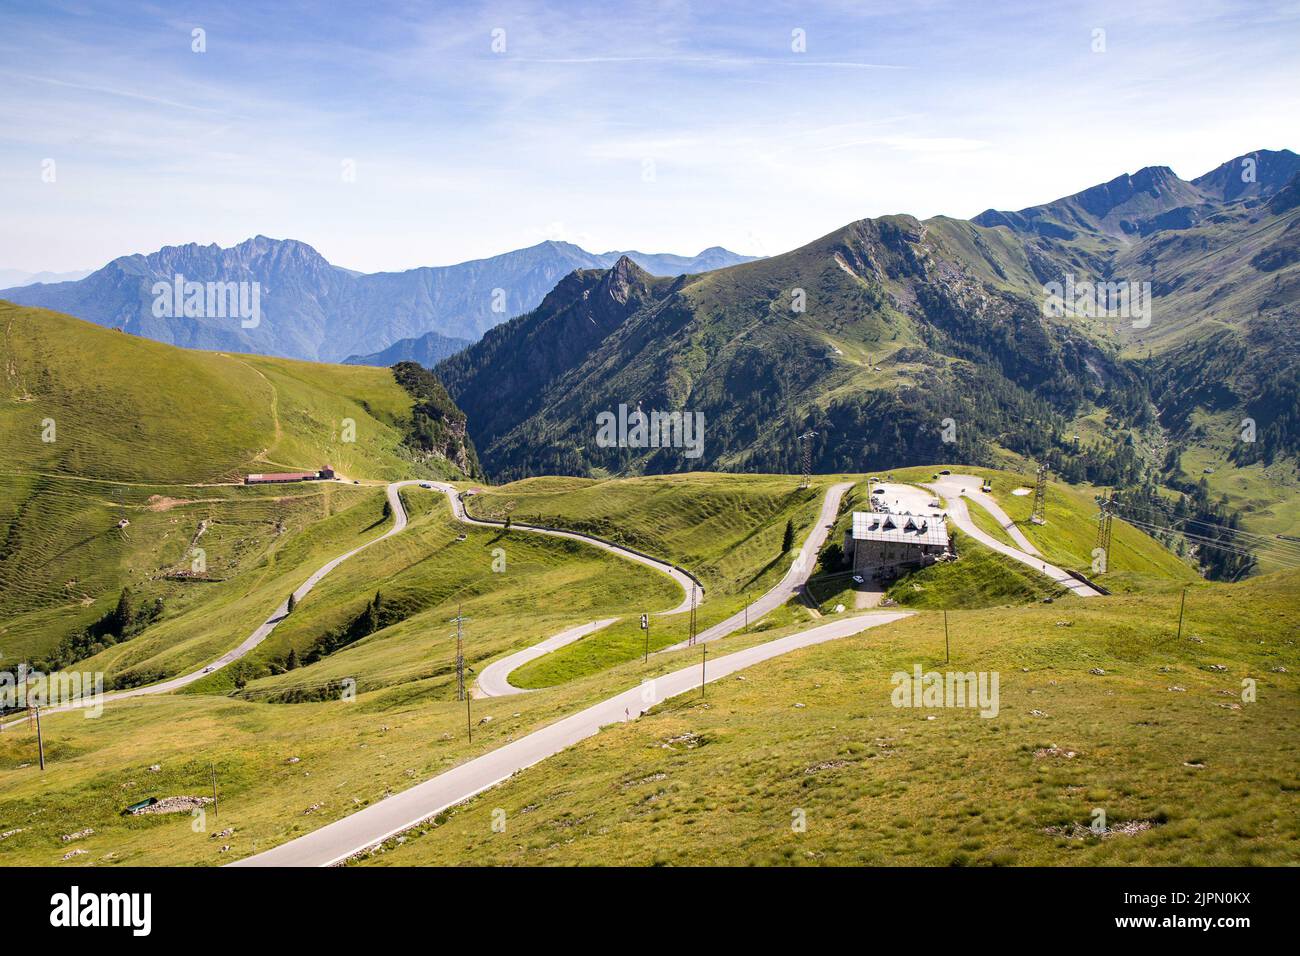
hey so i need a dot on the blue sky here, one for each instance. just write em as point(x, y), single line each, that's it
point(664, 127)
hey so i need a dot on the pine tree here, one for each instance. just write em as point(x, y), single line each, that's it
point(290, 604)
point(291, 662)
point(787, 542)
point(388, 509)
point(123, 616)
point(372, 615)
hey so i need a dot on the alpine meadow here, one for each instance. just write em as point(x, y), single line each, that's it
point(355, 516)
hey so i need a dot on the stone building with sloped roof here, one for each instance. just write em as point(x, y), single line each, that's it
point(890, 543)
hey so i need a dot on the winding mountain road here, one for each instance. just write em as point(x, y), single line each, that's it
point(262, 631)
point(494, 681)
point(795, 578)
point(955, 488)
point(370, 826)
point(400, 519)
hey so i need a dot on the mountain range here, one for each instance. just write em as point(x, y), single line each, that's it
point(877, 333)
point(308, 308)
point(20, 277)
point(428, 350)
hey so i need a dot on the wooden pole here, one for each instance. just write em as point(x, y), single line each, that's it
point(945, 637)
point(40, 741)
point(212, 767)
point(703, 663)
point(1181, 605)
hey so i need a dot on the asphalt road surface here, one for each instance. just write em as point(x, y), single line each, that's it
point(372, 825)
point(794, 579)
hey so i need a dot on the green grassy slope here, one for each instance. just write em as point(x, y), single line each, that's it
point(160, 437)
point(980, 577)
point(405, 724)
point(130, 409)
point(725, 529)
point(1161, 741)
point(425, 575)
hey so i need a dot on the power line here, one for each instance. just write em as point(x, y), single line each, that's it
point(1272, 539)
point(1220, 544)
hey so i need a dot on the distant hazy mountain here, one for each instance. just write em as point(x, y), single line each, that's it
point(428, 350)
point(17, 277)
point(308, 308)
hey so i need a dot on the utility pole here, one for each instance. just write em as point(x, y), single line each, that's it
point(645, 626)
point(806, 441)
point(469, 722)
point(692, 640)
point(1039, 514)
point(458, 620)
point(703, 663)
point(1181, 605)
point(212, 767)
point(945, 637)
point(40, 741)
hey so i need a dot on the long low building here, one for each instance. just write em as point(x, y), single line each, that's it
point(886, 543)
point(281, 477)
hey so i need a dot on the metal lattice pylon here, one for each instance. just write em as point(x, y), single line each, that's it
point(1039, 514)
point(458, 620)
point(806, 441)
point(1104, 527)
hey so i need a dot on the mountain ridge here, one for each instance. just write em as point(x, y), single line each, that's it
point(314, 310)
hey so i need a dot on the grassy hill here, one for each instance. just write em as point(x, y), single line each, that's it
point(405, 723)
point(160, 437)
point(1100, 708)
point(131, 409)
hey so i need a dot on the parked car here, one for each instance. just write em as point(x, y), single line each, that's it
point(425, 484)
point(857, 579)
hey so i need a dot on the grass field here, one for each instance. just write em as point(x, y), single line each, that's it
point(97, 427)
point(405, 725)
point(725, 529)
point(1161, 741)
point(978, 578)
point(350, 753)
point(130, 409)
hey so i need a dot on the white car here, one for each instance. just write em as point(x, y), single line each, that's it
point(857, 579)
point(425, 484)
